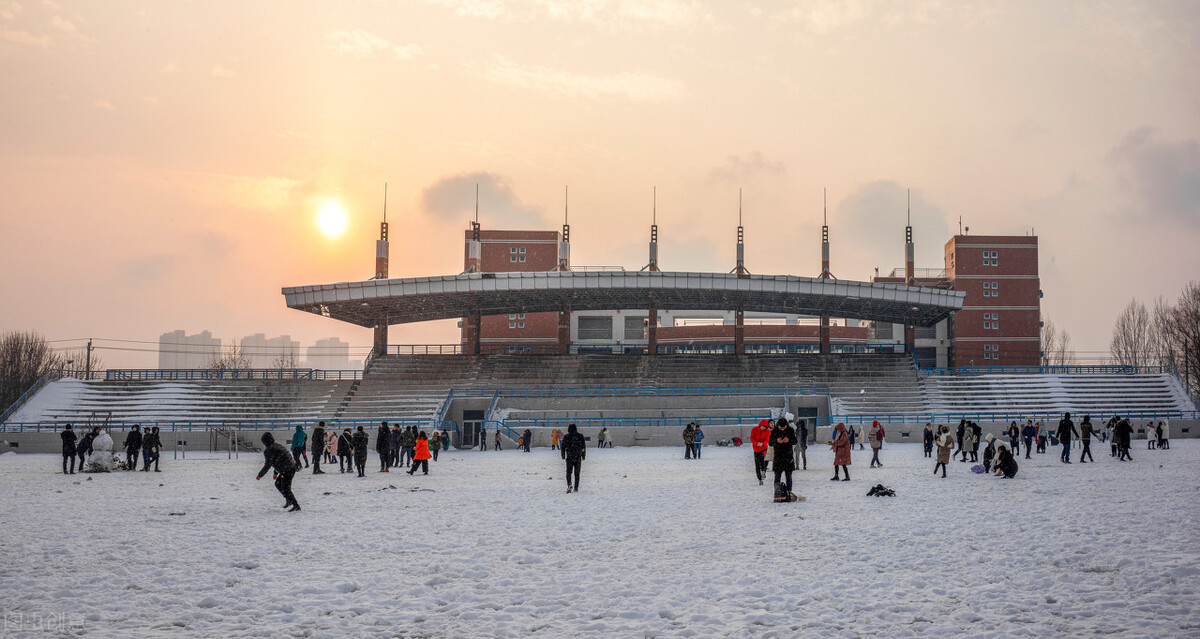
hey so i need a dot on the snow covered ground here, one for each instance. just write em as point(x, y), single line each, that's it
point(489, 545)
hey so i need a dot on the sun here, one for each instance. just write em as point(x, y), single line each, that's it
point(332, 219)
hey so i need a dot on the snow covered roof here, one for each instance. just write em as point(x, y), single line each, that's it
point(419, 299)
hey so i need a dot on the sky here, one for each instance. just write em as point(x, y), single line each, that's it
point(162, 164)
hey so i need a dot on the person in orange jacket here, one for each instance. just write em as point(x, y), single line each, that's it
point(760, 437)
point(422, 455)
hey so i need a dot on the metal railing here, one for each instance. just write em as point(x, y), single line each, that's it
point(249, 424)
point(632, 422)
point(1075, 369)
point(561, 393)
point(41, 382)
point(713, 348)
point(999, 417)
point(228, 374)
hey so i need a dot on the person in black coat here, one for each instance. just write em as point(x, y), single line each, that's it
point(285, 469)
point(151, 448)
point(318, 447)
point(574, 450)
point(976, 437)
point(928, 441)
point(361, 441)
point(68, 449)
point(1122, 433)
point(1005, 463)
point(958, 435)
point(84, 447)
point(345, 451)
point(783, 440)
point(383, 446)
point(527, 437)
point(133, 445)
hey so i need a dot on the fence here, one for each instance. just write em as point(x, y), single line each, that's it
point(722, 348)
point(949, 418)
point(567, 393)
point(234, 374)
point(250, 424)
point(1077, 369)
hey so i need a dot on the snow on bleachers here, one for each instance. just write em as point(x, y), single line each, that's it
point(1097, 394)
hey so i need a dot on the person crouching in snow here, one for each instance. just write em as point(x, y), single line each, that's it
point(285, 469)
point(841, 451)
point(989, 452)
point(573, 449)
point(783, 440)
point(1006, 464)
point(421, 455)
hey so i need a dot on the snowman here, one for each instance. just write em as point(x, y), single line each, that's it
point(101, 460)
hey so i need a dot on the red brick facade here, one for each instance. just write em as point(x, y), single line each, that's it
point(508, 252)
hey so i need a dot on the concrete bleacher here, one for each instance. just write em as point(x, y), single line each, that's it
point(1096, 394)
point(73, 400)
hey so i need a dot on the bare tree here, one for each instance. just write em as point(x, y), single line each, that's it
point(1180, 334)
point(232, 357)
point(1055, 345)
point(74, 361)
point(287, 360)
point(24, 358)
point(1133, 341)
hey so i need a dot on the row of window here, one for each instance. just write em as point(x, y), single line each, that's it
point(516, 250)
point(513, 317)
point(989, 258)
point(991, 351)
point(991, 289)
point(514, 258)
point(989, 323)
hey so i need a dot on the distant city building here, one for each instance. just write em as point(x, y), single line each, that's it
point(276, 352)
point(330, 353)
point(177, 349)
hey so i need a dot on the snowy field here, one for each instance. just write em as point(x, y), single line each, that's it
point(490, 545)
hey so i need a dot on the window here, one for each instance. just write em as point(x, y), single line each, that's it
point(520, 324)
point(595, 327)
point(522, 258)
point(512, 258)
point(522, 251)
point(512, 324)
point(995, 289)
point(987, 285)
point(635, 327)
point(512, 250)
point(520, 316)
point(512, 316)
point(987, 348)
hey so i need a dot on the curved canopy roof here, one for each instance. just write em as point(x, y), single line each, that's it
point(419, 299)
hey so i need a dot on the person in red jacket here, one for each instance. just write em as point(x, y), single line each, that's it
point(422, 455)
point(760, 437)
point(841, 451)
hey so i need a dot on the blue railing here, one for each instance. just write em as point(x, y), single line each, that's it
point(714, 348)
point(953, 418)
point(561, 393)
point(632, 422)
point(41, 382)
point(1076, 369)
point(234, 374)
point(249, 424)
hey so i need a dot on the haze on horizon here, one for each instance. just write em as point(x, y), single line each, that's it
point(163, 165)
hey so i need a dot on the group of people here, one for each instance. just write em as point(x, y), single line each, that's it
point(1158, 436)
point(524, 442)
point(148, 445)
point(408, 446)
point(693, 435)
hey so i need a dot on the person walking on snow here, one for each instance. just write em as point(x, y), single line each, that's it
point(573, 450)
point(483, 437)
point(133, 444)
point(331, 445)
point(1122, 434)
point(554, 439)
point(697, 437)
point(361, 442)
point(345, 451)
point(421, 455)
point(760, 438)
point(1164, 435)
point(1066, 428)
point(783, 440)
point(527, 437)
point(945, 444)
point(318, 447)
point(151, 449)
point(1014, 438)
point(876, 438)
point(298, 439)
point(841, 451)
point(383, 446)
point(497, 438)
point(68, 449)
point(1028, 432)
point(801, 441)
point(1085, 437)
point(435, 443)
point(285, 469)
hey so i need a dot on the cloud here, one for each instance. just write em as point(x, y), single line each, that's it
point(104, 105)
point(875, 216)
point(737, 170)
point(631, 86)
point(219, 71)
point(628, 14)
point(151, 100)
point(1165, 176)
point(170, 68)
point(146, 269)
point(9, 9)
point(24, 37)
point(62, 25)
point(453, 198)
point(214, 244)
point(490, 9)
point(361, 43)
